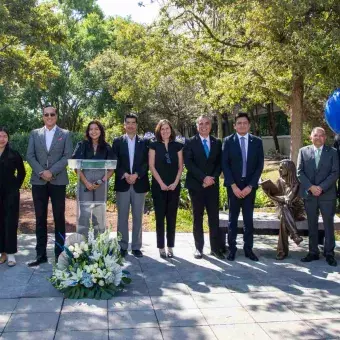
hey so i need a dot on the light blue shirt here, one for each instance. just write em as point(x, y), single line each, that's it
point(208, 141)
point(49, 134)
point(246, 140)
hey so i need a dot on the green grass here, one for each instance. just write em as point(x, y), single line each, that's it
point(183, 223)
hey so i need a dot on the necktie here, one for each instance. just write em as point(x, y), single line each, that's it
point(244, 157)
point(317, 157)
point(206, 148)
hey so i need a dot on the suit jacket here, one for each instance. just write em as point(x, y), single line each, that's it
point(140, 164)
point(232, 161)
point(324, 176)
point(54, 160)
point(12, 170)
point(197, 163)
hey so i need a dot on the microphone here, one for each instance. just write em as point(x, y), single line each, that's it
point(98, 182)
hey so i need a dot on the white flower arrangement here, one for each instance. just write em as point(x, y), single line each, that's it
point(91, 269)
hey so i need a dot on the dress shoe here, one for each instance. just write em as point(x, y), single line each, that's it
point(162, 253)
point(3, 258)
point(39, 260)
point(281, 256)
point(251, 255)
point(297, 239)
point(123, 252)
point(310, 257)
point(198, 254)
point(137, 253)
point(170, 253)
point(231, 255)
point(218, 254)
point(331, 260)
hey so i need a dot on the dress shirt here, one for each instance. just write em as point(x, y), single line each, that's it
point(131, 146)
point(246, 141)
point(315, 148)
point(208, 141)
point(49, 134)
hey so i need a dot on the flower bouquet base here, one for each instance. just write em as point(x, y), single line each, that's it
point(90, 268)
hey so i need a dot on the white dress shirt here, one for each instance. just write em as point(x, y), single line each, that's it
point(131, 146)
point(246, 141)
point(208, 141)
point(49, 134)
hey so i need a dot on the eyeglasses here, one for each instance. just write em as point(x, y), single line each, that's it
point(50, 114)
point(167, 158)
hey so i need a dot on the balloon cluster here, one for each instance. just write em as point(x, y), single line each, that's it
point(332, 111)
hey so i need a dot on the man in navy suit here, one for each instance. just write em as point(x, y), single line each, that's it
point(131, 183)
point(242, 165)
point(202, 157)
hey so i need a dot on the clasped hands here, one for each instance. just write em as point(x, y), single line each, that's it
point(46, 175)
point(131, 179)
point(241, 193)
point(170, 187)
point(315, 190)
point(208, 181)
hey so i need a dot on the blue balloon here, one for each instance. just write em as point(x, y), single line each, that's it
point(332, 111)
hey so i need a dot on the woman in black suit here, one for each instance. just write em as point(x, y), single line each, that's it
point(12, 175)
point(166, 166)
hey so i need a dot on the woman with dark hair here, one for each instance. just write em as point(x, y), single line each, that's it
point(166, 166)
point(93, 182)
point(12, 175)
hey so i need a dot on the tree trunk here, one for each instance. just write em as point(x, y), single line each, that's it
point(255, 121)
point(296, 117)
point(219, 126)
point(272, 126)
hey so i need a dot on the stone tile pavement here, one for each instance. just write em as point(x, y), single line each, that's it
point(182, 298)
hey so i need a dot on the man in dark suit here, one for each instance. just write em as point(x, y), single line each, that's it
point(202, 158)
point(318, 171)
point(131, 184)
point(337, 148)
point(48, 150)
point(242, 164)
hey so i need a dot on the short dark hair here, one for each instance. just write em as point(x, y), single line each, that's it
point(242, 115)
point(130, 115)
point(101, 141)
point(4, 129)
point(158, 130)
point(48, 106)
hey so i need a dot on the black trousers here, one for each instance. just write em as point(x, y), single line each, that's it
point(9, 219)
point(235, 205)
point(166, 206)
point(208, 199)
point(41, 195)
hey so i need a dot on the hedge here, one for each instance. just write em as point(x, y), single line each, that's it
point(261, 199)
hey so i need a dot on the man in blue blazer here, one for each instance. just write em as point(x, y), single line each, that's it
point(131, 184)
point(242, 165)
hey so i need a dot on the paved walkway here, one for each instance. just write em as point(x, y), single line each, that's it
point(180, 299)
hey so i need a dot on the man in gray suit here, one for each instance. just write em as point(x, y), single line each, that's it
point(49, 148)
point(318, 171)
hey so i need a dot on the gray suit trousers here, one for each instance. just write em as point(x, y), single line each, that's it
point(136, 200)
point(313, 206)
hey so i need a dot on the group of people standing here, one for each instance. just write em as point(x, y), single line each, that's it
point(241, 159)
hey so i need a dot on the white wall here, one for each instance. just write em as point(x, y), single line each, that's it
point(284, 142)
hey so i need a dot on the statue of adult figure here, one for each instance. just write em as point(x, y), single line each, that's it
point(290, 205)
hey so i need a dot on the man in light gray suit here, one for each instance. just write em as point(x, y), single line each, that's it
point(48, 150)
point(318, 171)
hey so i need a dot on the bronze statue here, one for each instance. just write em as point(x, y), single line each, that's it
point(290, 205)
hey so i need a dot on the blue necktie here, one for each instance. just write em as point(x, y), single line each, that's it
point(244, 157)
point(206, 148)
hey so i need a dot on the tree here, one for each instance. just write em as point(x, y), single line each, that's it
point(272, 49)
point(23, 55)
